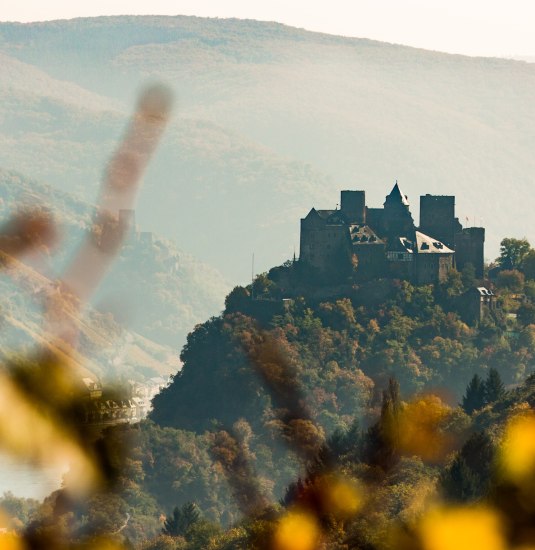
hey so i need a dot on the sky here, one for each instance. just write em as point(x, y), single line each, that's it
point(471, 27)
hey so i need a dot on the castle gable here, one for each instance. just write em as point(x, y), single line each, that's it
point(324, 214)
point(336, 217)
point(401, 244)
point(313, 219)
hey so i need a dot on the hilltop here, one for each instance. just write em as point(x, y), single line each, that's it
point(272, 119)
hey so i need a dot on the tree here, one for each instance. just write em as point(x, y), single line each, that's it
point(513, 252)
point(181, 520)
point(526, 314)
point(165, 542)
point(201, 534)
point(494, 388)
point(528, 265)
point(468, 275)
point(511, 279)
point(17, 507)
point(263, 286)
point(343, 442)
point(469, 476)
point(474, 397)
point(382, 439)
point(459, 482)
point(236, 299)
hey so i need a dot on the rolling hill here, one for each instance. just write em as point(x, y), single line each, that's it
point(148, 302)
point(271, 120)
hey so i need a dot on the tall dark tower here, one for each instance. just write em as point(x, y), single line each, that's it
point(437, 218)
point(397, 219)
point(353, 206)
point(470, 248)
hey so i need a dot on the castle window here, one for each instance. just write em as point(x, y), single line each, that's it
point(399, 256)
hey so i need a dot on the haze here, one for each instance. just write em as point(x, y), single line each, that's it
point(488, 28)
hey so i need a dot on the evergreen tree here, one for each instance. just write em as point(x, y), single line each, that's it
point(474, 397)
point(459, 482)
point(294, 492)
point(393, 395)
point(469, 476)
point(494, 388)
point(181, 520)
point(382, 439)
point(346, 442)
point(478, 453)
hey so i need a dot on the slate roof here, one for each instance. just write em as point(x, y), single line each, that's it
point(427, 245)
point(363, 234)
point(401, 244)
point(398, 195)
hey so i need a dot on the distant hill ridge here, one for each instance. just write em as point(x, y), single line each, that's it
point(267, 107)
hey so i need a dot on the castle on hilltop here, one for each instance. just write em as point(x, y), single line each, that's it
point(384, 242)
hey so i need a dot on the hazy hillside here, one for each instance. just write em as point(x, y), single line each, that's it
point(155, 290)
point(215, 193)
point(254, 95)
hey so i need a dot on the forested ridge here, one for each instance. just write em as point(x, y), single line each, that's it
point(388, 398)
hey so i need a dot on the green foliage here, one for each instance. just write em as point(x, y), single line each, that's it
point(380, 446)
point(469, 477)
point(460, 482)
point(474, 397)
point(494, 387)
point(468, 275)
point(165, 542)
point(17, 508)
point(528, 265)
point(454, 284)
point(346, 442)
point(510, 279)
point(513, 252)
point(263, 286)
point(237, 299)
point(525, 314)
point(182, 520)
point(480, 393)
point(201, 533)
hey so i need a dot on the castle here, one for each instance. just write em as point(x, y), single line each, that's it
point(384, 242)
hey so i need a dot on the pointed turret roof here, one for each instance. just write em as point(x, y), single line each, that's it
point(397, 195)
